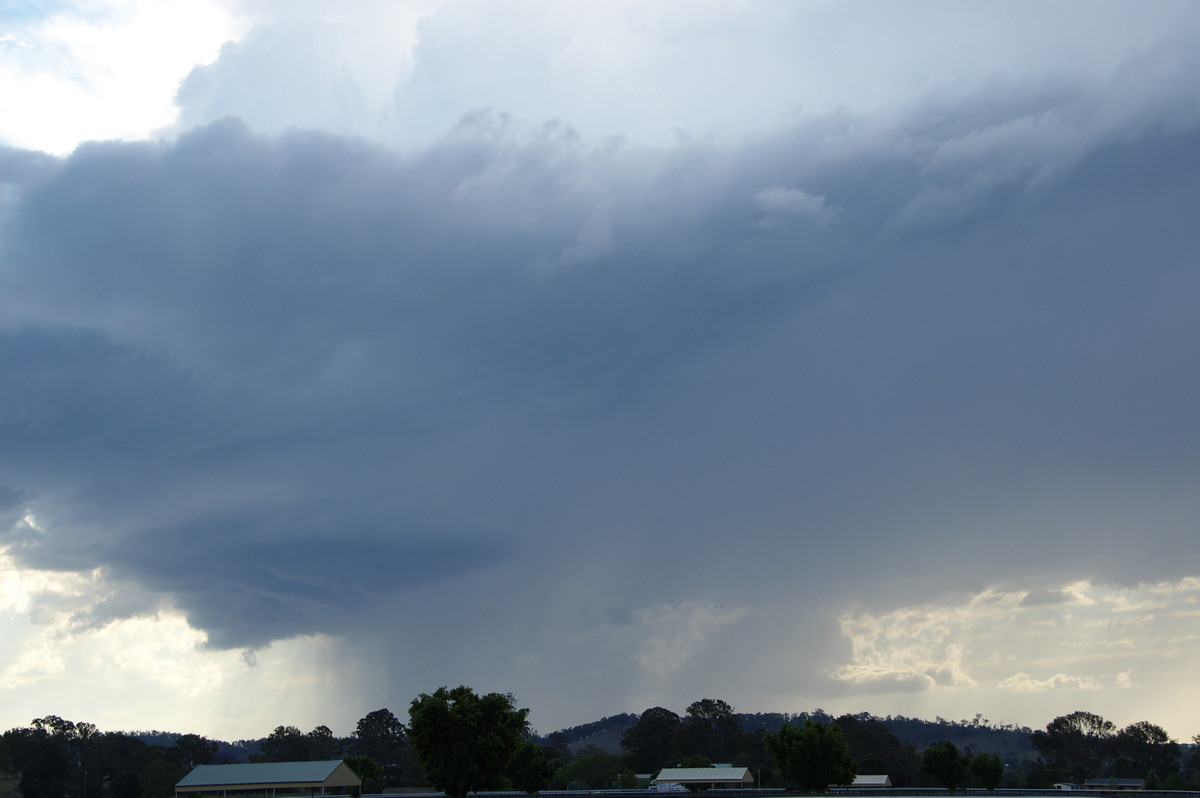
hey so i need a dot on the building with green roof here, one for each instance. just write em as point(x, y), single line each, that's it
point(269, 779)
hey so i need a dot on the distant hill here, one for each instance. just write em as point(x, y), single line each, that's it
point(237, 751)
point(604, 734)
point(979, 734)
point(1006, 741)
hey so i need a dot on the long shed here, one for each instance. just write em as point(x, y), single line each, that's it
point(705, 777)
point(269, 780)
point(880, 780)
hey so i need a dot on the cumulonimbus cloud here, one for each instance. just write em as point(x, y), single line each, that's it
point(286, 382)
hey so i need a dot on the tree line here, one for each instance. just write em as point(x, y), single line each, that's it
point(460, 742)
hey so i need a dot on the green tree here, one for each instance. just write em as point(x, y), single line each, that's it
point(709, 729)
point(43, 760)
point(126, 784)
point(988, 770)
point(946, 764)
point(47, 753)
point(54, 726)
point(366, 769)
point(811, 757)
point(159, 779)
point(596, 768)
point(381, 736)
point(464, 741)
point(61, 759)
point(1144, 747)
point(558, 752)
point(322, 744)
point(1075, 746)
point(285, 744)
point(191, 750)
point(647, 744)
point(877, 750)
point(1175, 783)
point(117, 760)
point(530, 771)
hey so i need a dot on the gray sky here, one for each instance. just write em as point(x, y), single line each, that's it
point(802, 355)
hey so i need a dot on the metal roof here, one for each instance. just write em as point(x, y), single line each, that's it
point(258, 773)
point(704, 775)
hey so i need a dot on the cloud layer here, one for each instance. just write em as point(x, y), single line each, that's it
point(526, 404)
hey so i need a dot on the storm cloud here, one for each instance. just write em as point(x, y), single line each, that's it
point(615, 409)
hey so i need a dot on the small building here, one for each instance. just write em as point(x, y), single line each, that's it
point(872, 782)
point(707, 778)
point(1114, 784)
point(269, 780)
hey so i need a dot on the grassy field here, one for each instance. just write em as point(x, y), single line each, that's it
point(8, 786)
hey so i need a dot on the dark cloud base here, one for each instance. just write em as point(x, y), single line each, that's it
point(258, 374)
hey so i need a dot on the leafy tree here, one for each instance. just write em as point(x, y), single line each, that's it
point(597, 769)
point(709, 729)
point(988, 770)
point(126, 784)
point(711, 711)
point(322, 744)
point(54, 726)
point(1075, 745)
point(753, 754)
point(1175, 783)
point(380, 735)
point(465, 741)
point(139, 758)
point(877, 750)
point(366, 769)
point(811, 757)
point(284, 744)
point(530, 771)
point(47, 753)
point(289, 744)
point(1144, 747)
point(61, 759)
point(43, 760)
point(1038, 775)
point(648, 743)
point(114, 763)
point(159, 779)
point(191, 750)
point(1191, 762)
point(558, 752)
point(946, 764)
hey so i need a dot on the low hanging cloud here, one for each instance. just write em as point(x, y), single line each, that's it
point(1023, 682)
point(784, 205)
point(665, 637)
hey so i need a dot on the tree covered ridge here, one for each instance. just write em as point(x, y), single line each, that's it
point(57, 758)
